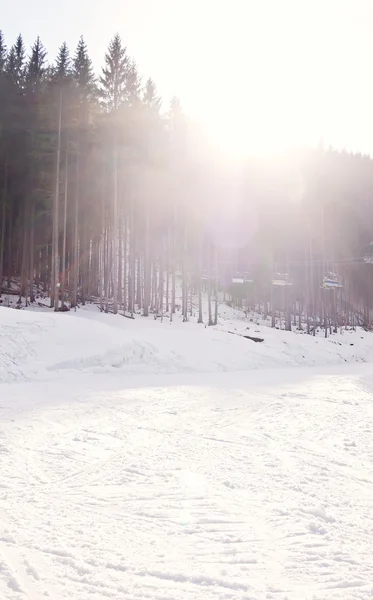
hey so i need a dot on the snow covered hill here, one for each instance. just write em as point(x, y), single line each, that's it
point(144, 460)
point(39, 344)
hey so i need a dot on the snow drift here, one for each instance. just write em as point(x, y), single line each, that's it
point(37, 344)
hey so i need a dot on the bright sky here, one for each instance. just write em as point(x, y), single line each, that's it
point(260, 73)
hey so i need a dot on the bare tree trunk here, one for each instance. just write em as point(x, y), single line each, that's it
point(10, 240)
point(120, 261)
point(44, 268)
point(155, 288)
point(147, 270)
point(32, 252)
point(335, 311)
point(125, 260)
point(2, 233)
point(185, 279)
point(76, 231)
point(161, 282)
point(25, 262)
point(138, 282)
point(107, 269)
point(132, 269)
point(209, 287)
point(115, 230)
point(63, 275)
point(102, 244)
point(216, 286)
point(325, 314)
point(173, 299)
point(168, 272)
point(55, 213)
point(200, 315)
point(273, 306)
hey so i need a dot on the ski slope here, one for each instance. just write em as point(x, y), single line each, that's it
point(149, 478)
point(38, 345)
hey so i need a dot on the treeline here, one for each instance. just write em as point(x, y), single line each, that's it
point(83, 162)
point(106, 194)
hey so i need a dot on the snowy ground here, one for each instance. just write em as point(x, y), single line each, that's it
point(129, 472)
point(38, 344)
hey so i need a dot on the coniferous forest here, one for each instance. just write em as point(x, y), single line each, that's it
point(109, 194)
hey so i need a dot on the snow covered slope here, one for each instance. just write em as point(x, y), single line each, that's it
point(218, 489)
point(41, 345)
point(149, 460)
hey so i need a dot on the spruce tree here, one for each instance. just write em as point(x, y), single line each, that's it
point(16, 63)
point(114, 78)
point(3, 53)
point(133, 85)
point(83, 73)
point(36, 68)
point(150, 97)
point(62, 68)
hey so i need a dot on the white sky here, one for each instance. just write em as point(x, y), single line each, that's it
point(262, 73)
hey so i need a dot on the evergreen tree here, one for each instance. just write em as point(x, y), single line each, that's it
point(36, 69)
point(133, 85)
point(150, 97)
point(83, 73)
point(115, 74)
point(62, 68)
point(15, 66)
point(3, 53)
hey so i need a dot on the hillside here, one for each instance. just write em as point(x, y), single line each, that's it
point(37, 344)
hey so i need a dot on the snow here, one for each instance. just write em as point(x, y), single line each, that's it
point(178, 462)
point(37, 345)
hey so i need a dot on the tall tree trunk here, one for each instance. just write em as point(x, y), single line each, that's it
point(107, 269)
point(132, 269)
point(2, 231)
point(125, 261)
point(138, 282)
point(185, 279)
point(10, 241)
point(161, 282)
point(120, 261)
point(147, 269)
point(25, 256)
point(173, 299)
point(200, 315)
point(76, 230)
point(63, 275)
point(55, 212)
point(273, 306)
point(168, 272)
point(115, 230)
point(209, 287)
point(102, 245)
point(216, 286)
point(32, 252)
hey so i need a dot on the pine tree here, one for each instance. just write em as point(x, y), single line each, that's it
point(115, 74)
point(62, 68)
point(85, 83)
point(15, 66)
point(150, 97)
point(83, 73)
point(36, 68)
point(3, 53)
point(133, 85)
point(113, 90)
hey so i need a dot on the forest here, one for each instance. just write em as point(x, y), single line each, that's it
point(109, 196)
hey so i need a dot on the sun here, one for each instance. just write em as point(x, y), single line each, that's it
point(238, 132)
point(253, 84)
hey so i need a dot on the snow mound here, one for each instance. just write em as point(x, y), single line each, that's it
point(37, 344)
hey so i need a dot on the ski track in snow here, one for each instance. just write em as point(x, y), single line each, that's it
point(235, 490)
